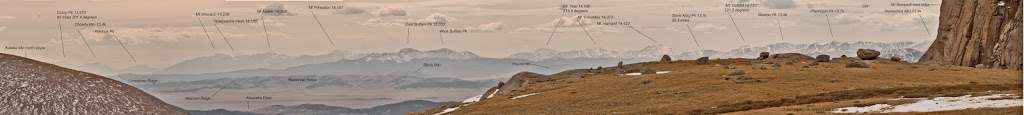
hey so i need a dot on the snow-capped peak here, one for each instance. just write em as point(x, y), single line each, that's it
point(407, 54)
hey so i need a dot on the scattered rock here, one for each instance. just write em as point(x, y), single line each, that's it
point(702, 60)
point(867, 54)
point(813, 64)
point(823, 58)
point(896, 59)
point(730, 67)
point(763, 55)
point(776, 66)
point(645, 82)
point(666, 59)
point(744, 79)
point(737, 72)
point(858, 64)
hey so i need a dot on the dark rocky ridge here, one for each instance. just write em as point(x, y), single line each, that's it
point(978, 32)
point(30, 87)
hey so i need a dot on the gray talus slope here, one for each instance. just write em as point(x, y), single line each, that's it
point(30, 87)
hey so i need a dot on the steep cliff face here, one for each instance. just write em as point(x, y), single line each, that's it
point(978, 32)
point(30, 87)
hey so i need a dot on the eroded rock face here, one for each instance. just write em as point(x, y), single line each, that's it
point(30, 87)
point(973, 32)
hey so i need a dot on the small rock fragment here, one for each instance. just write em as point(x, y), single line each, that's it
point(858, 64)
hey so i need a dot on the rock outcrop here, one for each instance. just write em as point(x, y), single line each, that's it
point(519, 82)
point(30, 87)
point(973, 32)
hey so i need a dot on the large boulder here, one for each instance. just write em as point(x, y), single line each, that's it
point(763, 55)
point(666, 59)
point(703, 60)
point(823, 58)
point(867, 54)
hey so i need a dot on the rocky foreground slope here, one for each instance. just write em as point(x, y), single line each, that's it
point(786, 83)
point(30, 87)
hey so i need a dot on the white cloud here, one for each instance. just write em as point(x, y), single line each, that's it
point(433, 18)
point(489, 27)
point(386, 11)
point(779, 4)
point(708, 27)
point(349, 11)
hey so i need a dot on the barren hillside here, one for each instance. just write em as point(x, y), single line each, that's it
point(787, 84)
point(30, 87)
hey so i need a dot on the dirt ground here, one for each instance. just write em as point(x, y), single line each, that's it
point(773, 87)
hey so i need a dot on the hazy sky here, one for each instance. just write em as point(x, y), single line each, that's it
point(163, 32)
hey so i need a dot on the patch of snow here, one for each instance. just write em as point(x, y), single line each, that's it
point(447, 110)
point(866, 109)
point(492, 93)
point(522, 96)
point(939, 104)
point(633, 74)
point(472, 99)
point(662, 72)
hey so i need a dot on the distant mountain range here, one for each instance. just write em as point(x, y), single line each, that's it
point(226, 63)
point(390, 73)
point(400, 108)
point(910, 51)
point(222, 63)
point(314, 82)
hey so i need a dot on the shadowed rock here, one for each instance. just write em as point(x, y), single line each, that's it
point(666, 59)
point(823, 58)
point(703, 60)
point(867, 54)
point(763, 55)
point(858, 64)
point(796, 56)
